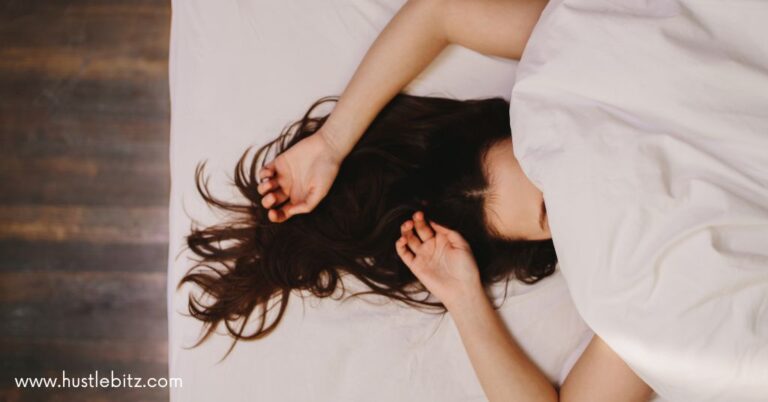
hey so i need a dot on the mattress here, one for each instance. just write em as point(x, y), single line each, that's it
point(645, 124)
point(239, 72)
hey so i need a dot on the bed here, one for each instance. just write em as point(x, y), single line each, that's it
point(645, 123)
point(239, 72)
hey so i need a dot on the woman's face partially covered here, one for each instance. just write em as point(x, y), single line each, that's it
point(514, 207)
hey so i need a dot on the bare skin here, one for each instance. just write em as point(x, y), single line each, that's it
point(443, 262)
point(514, 207)
point(298, 179)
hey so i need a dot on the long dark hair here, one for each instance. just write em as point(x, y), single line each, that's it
point(420, 153)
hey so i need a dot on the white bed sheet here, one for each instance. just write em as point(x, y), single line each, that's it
point(241, 70)
point(645, 123)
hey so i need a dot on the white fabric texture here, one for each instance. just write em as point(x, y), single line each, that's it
point(239, 72)
point(645, 124)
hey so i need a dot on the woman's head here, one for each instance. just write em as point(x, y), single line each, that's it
point(441, 156)
point(514, 207)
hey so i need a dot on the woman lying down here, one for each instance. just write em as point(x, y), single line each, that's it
point(407, 194)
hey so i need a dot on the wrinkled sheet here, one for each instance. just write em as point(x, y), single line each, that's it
point(239, 72)
point(645, 124)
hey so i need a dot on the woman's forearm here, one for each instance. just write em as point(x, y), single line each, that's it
point(411, 40)
point(442, 260)
point(504, 371)
point(507, 374)
point(414, 37)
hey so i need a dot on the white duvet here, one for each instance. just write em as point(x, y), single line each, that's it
point(645, 123)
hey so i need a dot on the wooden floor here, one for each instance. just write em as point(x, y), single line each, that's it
point(84, 185)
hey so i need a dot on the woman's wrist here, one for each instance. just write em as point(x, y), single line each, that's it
point(336, 150)
point(340, 136)
point(467, 300)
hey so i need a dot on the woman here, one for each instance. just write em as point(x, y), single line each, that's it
point(434, 154)
point(442, 259)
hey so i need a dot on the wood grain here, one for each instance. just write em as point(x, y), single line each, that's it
point(88, 180)
point(75, 256)
point(84, 187)
point(102, 224)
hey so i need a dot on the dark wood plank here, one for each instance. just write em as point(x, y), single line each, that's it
point(135, 27)
point(94, 63)
point(83, 305)
point(140, 225)
point(74, 291)
point(78, 136)
point(75, 256)
point(80, 97)
point(40, 321)
point(66, 179)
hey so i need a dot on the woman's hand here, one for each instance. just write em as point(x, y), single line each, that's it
point(298, 179)
point(440, 258)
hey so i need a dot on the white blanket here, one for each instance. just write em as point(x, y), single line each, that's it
point(645, 123)
point(241, 70)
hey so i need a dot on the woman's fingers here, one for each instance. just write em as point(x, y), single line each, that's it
point(267, 185)
point(412, 240)
point(291, 209)
point(267, 171)
point(276, 197)
point(401, 245)
point(423, 230)
point(452, 236)
point(440, 228)
point(276, 215)
point(267, 179)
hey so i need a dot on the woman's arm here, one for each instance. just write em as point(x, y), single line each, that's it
point(507, 374)
point(412, 39)
point(443, 262)
point(503, 369)
point(601, 375)
point(298, 179)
